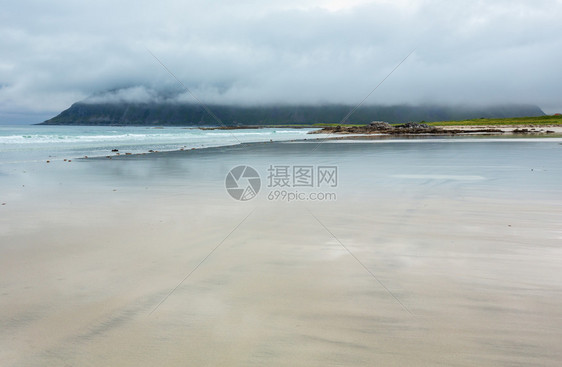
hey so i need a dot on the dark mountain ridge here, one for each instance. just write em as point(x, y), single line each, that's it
point(176, 114)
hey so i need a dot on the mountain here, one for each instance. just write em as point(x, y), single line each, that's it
point(176, 114)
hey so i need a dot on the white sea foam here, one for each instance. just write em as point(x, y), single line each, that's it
point(30, 143)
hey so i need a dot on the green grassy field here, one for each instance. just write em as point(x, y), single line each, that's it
point(540, 120)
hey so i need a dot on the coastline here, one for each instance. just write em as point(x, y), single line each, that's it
point(511, 129)
point(57, 143)
point(415, 129)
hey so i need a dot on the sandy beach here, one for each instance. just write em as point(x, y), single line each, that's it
point(509, 129)
point(106, 262)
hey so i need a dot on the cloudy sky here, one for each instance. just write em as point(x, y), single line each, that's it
point(54, 53)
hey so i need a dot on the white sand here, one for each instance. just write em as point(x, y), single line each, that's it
point(481, 281)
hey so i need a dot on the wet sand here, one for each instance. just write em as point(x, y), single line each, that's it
point(401, 275)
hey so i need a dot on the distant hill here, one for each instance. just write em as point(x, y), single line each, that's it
point(175, 114)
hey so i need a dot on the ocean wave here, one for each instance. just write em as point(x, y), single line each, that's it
point(38, 142)
point(34, 139)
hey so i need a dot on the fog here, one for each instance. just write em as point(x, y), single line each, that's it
point(255, 52)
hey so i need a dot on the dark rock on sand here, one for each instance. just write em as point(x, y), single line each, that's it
point(380, 125)
point(413, 126)
point(409, 128)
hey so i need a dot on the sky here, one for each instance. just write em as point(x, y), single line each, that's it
point(253, 52)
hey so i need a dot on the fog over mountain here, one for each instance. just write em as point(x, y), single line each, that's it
point(250, 53)
point(141, 106)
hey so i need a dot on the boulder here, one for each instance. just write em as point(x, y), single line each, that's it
point(413, 126)
point(380, 125)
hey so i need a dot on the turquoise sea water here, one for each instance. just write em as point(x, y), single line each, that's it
point(39, 143)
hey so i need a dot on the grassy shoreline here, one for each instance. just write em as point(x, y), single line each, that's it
point(538, 120)
point(513, 121)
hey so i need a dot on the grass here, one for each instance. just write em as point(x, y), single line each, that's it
point(335, 124)
point(539, 120)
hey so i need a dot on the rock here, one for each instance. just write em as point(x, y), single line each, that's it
point(413, 126)
point(380, 125)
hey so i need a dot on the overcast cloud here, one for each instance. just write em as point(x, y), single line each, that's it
point(253, 52)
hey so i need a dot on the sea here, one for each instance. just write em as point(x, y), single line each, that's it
point(28, 143)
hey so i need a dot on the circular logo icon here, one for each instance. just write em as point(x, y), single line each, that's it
point(243, 183)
